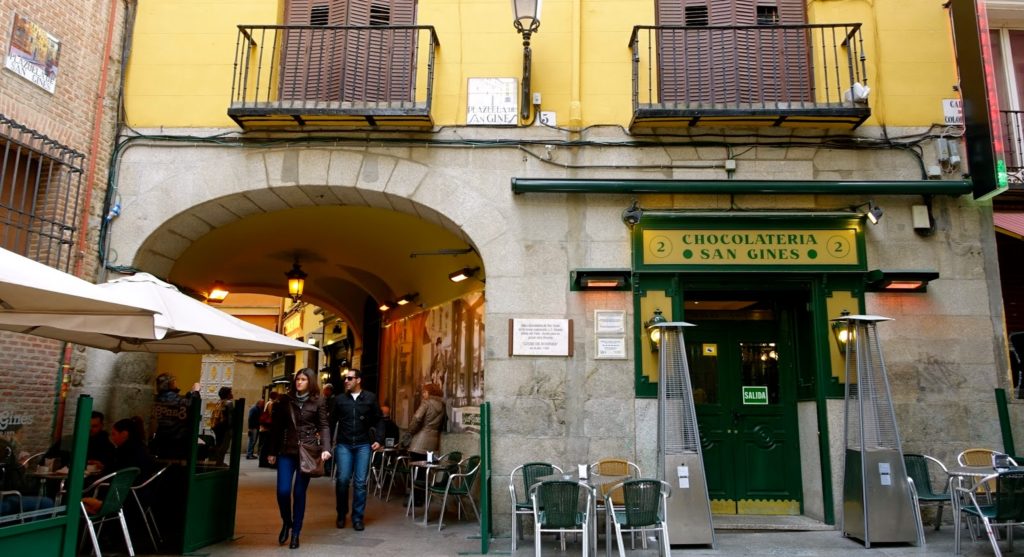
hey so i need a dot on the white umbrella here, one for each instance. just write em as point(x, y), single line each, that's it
point(184, 325)
point(39, 300)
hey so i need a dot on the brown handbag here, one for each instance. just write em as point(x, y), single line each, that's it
point(310, 462)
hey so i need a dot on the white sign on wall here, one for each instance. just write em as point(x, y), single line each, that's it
point(953, 112)
point(540, 337)
point(492, 101)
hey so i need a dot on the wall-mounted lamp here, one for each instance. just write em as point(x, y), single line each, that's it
point(337, 329)
point(653, 332)
point(384, 306)
point(463, 274)
point(408, 298)
point(296, 281)
point(874, 212)
point(311, 341)
point(899, 281)
point(527, 21)
point(217, 293)
point(841, 331)
point(600, 279)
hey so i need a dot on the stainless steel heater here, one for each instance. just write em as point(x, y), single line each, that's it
point(679, 454)
point(878, 505)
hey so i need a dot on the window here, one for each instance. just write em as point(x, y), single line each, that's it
point(767, 15)
point(40, 182)
point(696, 16)
point(318, 15)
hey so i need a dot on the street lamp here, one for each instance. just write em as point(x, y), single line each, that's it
point(527, 21)
point(296, 281)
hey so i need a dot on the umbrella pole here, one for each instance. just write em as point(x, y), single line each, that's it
point(62, 393)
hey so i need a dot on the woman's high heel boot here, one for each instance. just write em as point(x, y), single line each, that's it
point(283, 536)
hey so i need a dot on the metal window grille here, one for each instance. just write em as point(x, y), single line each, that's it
point(40, 194)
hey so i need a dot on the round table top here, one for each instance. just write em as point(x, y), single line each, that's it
point(979, 471)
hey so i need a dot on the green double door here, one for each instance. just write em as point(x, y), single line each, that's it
point(742, 368)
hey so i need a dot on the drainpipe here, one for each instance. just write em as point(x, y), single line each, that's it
point(83, 235)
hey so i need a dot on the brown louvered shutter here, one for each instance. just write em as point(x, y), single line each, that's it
point(378, 64)
point(311, 58)
point(732, 66)
point(796, 54)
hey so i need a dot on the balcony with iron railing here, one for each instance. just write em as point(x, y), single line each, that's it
point(749, 75)
point(333, 76)
point(1012, 124)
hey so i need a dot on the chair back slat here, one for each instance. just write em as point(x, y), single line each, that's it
point(532, 471)
point(118, 491)
point(642, 502)
point(917, 469)
point(560, 501)
point(1010, 497)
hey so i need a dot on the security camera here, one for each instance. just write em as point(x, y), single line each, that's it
point(631, 216)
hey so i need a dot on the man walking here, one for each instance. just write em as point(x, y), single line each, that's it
point(253, 422)
point(356, 420)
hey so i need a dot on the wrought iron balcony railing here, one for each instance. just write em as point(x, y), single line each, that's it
point(749, 74)
point(330, 75)
point(1012, 122)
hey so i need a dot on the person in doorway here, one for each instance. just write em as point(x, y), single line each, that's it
point(99, 452)
point(299, 415)
point(356, 419)
point(253, 421)
point(221, 424)
point(425, 428)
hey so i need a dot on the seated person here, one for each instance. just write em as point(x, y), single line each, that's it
point(390, 427)
point(130, 449)
point(100, 450)
point(14, 478)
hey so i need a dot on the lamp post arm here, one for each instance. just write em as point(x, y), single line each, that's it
point(524, 102)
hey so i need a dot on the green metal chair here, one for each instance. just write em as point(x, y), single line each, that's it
point(519, 483)
point(644, 509)
point(458, 484)
point(1006, 510)
point(118, 489)
point(922, 485)
point(561, 506)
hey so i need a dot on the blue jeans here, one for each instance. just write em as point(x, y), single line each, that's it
point(253, 433)
point(9, 504)
point(291, 502)
point(349, 458)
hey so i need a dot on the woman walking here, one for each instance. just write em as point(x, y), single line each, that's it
point(299, 415)
point(426, 428)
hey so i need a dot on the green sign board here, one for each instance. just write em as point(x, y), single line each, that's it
point(755, 394)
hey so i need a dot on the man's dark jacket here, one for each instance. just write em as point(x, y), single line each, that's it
point(358, 421)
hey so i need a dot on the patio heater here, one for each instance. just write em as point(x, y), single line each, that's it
point(680, 461)
point(878, 505)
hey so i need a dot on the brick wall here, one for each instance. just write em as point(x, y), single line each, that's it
point(30, 366)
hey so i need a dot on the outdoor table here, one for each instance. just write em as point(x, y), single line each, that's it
point(428, 468)
point(592, 481)
point(958, 475)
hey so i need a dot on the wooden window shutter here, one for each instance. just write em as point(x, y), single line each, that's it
point(311, 58)
point(380, 66)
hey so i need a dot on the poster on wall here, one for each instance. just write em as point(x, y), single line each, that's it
point(443, 346)
point(33, 54)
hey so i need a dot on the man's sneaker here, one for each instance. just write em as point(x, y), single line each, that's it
point(357, 525)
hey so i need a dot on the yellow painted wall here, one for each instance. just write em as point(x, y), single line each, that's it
point(180, 71)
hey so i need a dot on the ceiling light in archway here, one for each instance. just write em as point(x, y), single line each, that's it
point(463, 274)
point(407, 298)
point(384, 306)
point(217, 293)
